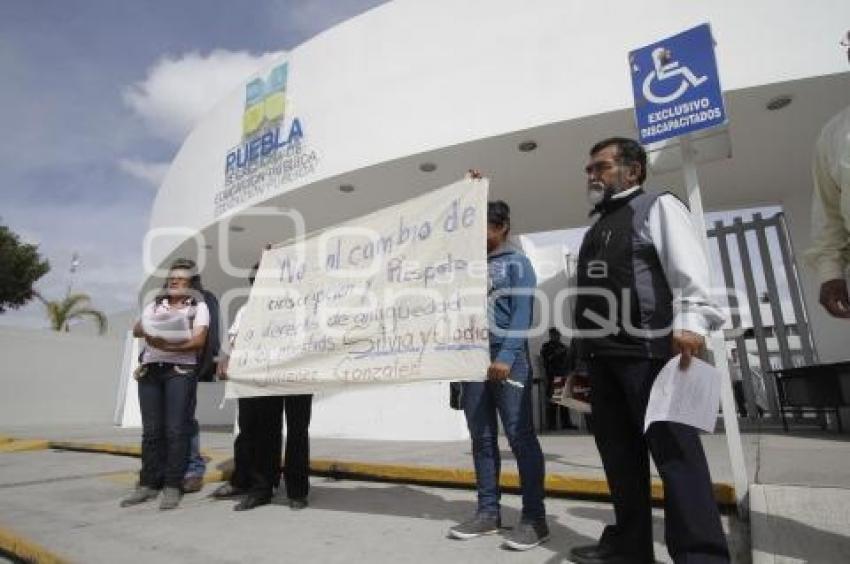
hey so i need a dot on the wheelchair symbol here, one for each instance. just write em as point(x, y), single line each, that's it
point(666, 68)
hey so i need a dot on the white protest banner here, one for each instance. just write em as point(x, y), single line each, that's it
point(399, 295)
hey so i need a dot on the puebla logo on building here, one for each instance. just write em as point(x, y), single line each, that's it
point(272, 151)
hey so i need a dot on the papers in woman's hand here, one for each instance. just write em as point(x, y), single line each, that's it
point(691, 397)
point(172, 326)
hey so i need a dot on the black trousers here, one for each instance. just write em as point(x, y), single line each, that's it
point(257, 449)
point(619, 394)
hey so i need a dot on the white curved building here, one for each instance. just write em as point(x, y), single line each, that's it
point(377, 102)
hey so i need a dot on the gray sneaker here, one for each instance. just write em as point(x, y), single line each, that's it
point(140, 495)
point(170, 498)
point(477, 526)
point(527, 535)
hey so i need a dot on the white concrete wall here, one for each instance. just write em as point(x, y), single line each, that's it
point(51, 378)
point(412, 412)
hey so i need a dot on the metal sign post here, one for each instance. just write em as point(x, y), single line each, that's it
point(717, 344)
point(677, 92)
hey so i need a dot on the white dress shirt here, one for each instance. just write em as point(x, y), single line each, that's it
point(830, 250)
point(682, 256)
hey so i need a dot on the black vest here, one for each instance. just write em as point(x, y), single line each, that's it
point(624, 305)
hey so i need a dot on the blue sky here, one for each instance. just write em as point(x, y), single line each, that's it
point(96, 97)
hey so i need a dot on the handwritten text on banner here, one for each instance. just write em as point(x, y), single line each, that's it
point(396, 296)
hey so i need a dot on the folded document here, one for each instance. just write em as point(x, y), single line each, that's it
point(691, 397)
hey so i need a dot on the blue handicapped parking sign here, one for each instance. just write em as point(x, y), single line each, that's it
point(676, 86)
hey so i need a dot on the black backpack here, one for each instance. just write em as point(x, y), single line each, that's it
point(208, 355)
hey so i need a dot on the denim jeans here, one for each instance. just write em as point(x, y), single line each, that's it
point(196, 466)
point(482, 401)
point(165, 398)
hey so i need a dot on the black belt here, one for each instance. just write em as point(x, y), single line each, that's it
point(171, 365)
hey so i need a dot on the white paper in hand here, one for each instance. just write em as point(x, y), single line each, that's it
point(172, 326)
point(691, 397)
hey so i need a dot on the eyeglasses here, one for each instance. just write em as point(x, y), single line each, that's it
point(599, 167)
point(178, 279)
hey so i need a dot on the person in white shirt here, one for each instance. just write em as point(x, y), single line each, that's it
point(174, 327)
point(643, 296)
point(830, 250)
point(257, 448)
point(258, 418)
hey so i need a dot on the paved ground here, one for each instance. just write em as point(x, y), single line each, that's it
point(67, 501)
point(800, 524)
point(70, 504)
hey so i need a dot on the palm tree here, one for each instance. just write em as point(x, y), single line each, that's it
point(73, 306)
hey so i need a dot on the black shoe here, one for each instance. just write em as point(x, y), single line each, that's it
point(605, 554)
point(597, 554)
point(227, 491)
point(298, 503)
point(251, 501)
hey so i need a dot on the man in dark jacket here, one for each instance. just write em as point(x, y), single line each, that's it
point(643, 296)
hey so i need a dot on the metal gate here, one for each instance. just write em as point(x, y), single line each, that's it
point(777, 333)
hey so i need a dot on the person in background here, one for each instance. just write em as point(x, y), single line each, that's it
point(829, 254)
point(557, 366)
point(166, 381)
point(257, 448)
point(254, 474)
point(196, 467)
point(507, 392)
point(737, 376)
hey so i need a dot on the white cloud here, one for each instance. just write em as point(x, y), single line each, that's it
point(154, 173)
point(178, 91)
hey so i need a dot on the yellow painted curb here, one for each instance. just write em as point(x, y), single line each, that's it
point(556, 484)
point(213, 476)
point(101, 448)
point(26, 550)
point(107, 448)
point(23, 445)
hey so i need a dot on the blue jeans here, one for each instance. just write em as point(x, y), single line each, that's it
point(482, 400)
point(164, 397)
point(196, 465)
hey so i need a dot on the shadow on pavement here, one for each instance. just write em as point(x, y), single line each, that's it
point(408, 501)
